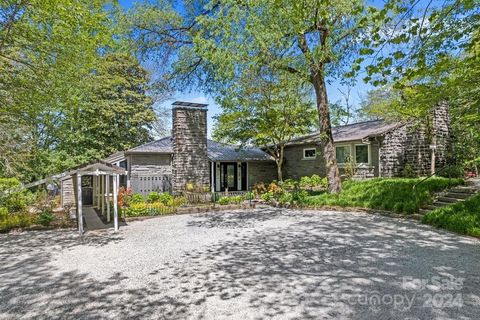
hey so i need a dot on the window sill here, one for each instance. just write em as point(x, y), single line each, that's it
point(309, 158)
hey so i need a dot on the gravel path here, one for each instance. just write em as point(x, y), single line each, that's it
point(264, 263)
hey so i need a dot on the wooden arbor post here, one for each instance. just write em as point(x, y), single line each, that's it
point(79, 204)
point(115, 205)
point(107, 190)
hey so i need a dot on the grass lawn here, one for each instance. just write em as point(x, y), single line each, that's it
point(462, 217)
point(395, 194)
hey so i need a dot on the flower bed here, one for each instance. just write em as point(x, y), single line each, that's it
point(147, 209)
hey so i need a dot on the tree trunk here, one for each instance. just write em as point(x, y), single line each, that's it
point(326, 137)
point(279, 172)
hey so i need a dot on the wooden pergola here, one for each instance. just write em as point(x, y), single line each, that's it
point(102, 194)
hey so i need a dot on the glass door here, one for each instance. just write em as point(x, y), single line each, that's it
point(228, 176)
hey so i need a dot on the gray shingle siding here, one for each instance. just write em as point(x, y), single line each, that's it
point(145, 164)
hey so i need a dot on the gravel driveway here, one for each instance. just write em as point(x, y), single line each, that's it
point(264, 263)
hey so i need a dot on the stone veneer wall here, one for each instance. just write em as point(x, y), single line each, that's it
point(443, 135)
point(392, 152)
point(410, 145)
point(190, 159)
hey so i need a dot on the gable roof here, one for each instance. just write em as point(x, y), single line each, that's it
point(216, 151)
point(93, 167)
point(163, 145)
point(352, 132)
point(115, 157)
point(223, 152)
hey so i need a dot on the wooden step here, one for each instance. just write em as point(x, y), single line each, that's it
point(449, 199)
point(440, 204)
point(424, 211)
point(458, 195)
point(463, 189)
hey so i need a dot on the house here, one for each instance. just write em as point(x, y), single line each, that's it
point(379, 148)
point(186, 157)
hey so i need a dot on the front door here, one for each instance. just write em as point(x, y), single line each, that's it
point(87, 190)
point(228, 176)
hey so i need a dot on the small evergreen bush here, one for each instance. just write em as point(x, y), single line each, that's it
point(137, 198)
point(153, 197)
point(45, 218)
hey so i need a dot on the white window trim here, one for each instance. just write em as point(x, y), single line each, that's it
point(343, 145)
point(309, 158)
point(369, 151)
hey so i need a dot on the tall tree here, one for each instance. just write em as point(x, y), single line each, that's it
point(453, 80)
point(313, 40)
point(63, 83)
point(265, 109)
point(118, 115)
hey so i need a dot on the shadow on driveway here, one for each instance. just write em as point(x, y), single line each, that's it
point(276, 264)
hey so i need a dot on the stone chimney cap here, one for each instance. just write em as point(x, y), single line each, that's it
point(189, 104)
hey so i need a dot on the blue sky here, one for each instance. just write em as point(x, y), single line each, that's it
point(192, 95)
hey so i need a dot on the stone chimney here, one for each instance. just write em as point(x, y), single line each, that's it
point(442, 134)
point(189, 140)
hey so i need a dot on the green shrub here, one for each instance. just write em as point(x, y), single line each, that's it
point(248, 196)
point(288, 184)
point(267, 196)
point(236, 199)
point(299, 196)
point(224, 201)
point(147, 209)
point(3, 213)
point(350, 168)
point(137, 198)
point(461, 217)
point(230, 200)
point(408, 171)
point(12, 196)
point(314, 181)
point(178, 202)
point(153, 197)
point(9, 184)
point(452, 172)
point(286, 197)
point(166, 198)
point(394, 194)
point(45, 218)
point(10, 221)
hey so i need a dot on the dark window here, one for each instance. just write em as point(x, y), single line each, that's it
point(309, 153)
point(123, 177)
point(361, 154)
point(342, 154)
